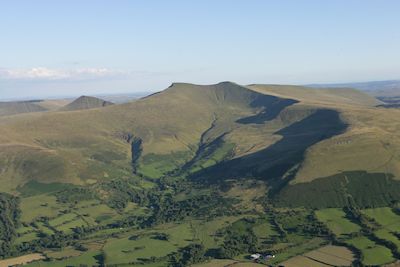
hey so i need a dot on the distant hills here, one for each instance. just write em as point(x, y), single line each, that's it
point(86, 102)
point(390, 88)
point(12, 108)
point(19, 107)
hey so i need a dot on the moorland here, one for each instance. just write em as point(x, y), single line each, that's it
point(202, 175)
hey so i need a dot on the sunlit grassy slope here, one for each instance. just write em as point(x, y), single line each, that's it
point(85, 146)
point(268, 128)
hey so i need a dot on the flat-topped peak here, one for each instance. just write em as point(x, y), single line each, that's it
point(179, 84)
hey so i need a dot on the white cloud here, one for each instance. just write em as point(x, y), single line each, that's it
point(41, 73)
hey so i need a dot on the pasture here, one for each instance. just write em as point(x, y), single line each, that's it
point(39, 205)
point(321, 257)
point(372, 254)
point(385, 217)
point(145, 245)
point(336, 221)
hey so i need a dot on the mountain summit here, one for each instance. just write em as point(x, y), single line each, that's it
point(86, 102)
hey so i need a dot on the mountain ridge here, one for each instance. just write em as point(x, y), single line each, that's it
point(225, 111)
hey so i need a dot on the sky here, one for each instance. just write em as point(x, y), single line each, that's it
point(74, 47)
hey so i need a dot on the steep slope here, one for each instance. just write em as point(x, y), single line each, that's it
point(90, 145)
point(86, 102)
point(12, 108)
point(369, 143)
point(222, 132)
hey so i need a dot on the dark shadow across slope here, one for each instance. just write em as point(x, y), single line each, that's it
point(276, 160)
point(271, 110)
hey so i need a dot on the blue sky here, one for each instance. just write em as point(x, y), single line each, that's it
point(60, 48)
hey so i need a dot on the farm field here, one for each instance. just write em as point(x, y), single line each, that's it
point(385, 217)
point(295, 249)
point(147, 244)
point(90, 258)
point(27, 237)
point(226, 263)
point(301, 261)
point(130, 245)
point(336, 221)
point(324, 256)
point(65, 218)
point(22, 260)
point(39, 205)
point(388, 235)
point(42, 228)
point(372, 254)
point(64, 253)
point(206, 231)
point(215, 263)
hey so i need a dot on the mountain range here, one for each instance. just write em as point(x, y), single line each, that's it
point(251, 152)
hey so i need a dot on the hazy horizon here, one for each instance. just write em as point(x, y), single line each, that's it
point(70, 48)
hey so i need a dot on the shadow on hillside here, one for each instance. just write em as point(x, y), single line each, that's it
point(272, 108)
point(276, 160)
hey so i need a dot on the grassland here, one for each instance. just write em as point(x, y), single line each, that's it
point(130, 245)
point(13, 108)
point(224, 263)
point(123, 246)
point(70, 153)
point(388, 235)
point(385, 217)
point(322, 257)
point(336, 221)
point(206, 231)
point(88, 258)
point(63, 254)
point(22, 260)
point(86, 102)
point(216, 263)
point(332, 255)
point(372, 254)
point(26, 237)
point(248, 141)
point(41, 205)
point(294, 249)
point(147, 245)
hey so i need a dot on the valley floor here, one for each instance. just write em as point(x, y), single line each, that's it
point(290, 234)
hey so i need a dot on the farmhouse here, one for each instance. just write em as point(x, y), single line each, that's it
point(255, 256)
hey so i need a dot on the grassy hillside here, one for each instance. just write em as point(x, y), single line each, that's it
point(172, 126)
point(197, 173)
point(12, 108)
point(259, 130)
